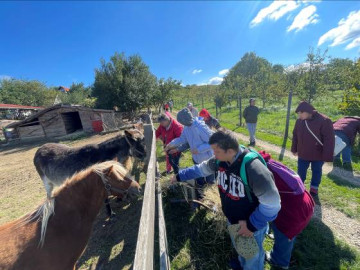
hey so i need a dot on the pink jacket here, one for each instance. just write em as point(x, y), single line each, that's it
point(173, 131)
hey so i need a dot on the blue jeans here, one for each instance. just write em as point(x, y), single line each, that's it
point(252, 129)
point(174, 162)
point(256, 262)
point(346, 152)
point(283, 246)
point(316, 168)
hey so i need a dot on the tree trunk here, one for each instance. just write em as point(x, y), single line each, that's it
point(286, 134)
point(216, 107)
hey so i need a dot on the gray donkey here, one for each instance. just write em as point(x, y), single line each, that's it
point(56, 162)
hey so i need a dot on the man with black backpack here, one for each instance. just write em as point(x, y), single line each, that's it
point(247, 190)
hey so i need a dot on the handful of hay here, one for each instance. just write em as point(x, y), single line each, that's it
point(246, 247)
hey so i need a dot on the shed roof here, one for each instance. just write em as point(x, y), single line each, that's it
point(16, 106)
point(57, 106)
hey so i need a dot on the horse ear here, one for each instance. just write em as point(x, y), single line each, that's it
point(108, 171)
point(128, 134)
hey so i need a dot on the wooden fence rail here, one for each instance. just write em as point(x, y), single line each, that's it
point(144, 257)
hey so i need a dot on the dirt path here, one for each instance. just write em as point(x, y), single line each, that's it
point(21, 187)
point(345, 228)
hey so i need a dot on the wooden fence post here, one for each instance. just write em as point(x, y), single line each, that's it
point(144, 255)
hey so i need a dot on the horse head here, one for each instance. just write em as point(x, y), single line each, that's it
point(117, 182)
point(136, 142)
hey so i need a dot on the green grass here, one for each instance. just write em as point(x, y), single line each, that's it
point(272, 119)
point(195, 242)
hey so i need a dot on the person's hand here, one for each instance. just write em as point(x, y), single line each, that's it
point(194, 151)
point(172, 151)
point(168, 147)
point(173, 180)
point(244, 231)
point(294, 153)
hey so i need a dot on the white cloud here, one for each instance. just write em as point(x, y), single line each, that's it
point(215, 80)
point(5, 77)
point(353, 44)
point(223, 72)
point(200, 84)
point(275, 11)
point(196, 71)
point(305, 17)
point(347, 30)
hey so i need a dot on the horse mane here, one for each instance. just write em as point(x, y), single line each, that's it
point(46, 209)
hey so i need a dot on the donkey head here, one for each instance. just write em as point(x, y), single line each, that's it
point(136, 142)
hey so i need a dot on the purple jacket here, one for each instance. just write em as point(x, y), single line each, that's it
point(307, 146)
point(349, 126)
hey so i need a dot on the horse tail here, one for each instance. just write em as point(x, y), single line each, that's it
point(46, 210)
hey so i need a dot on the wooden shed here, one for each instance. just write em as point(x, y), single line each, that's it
point(60, 120)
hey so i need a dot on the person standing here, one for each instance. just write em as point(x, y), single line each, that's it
point(192, 109)
point(313, 142)
point(250, 114)
point(211, 122)
point(168, 130)
point(171, 105)
point(346, 128)
point(196, 134)
point(253, 209)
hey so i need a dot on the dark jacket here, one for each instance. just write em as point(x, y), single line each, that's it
point(304, 143)
point(251, 114)
point(235, 203)
point(350, 126)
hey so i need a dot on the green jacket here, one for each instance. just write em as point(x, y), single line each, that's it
point(250, 114)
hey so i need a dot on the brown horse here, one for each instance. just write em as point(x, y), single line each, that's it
point(56, 162)
point(63, 236)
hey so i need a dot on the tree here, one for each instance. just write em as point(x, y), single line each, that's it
point(79, 95)
point(124, 82)
point(24, 92)
point(351, 99)
point(164, 91)
point(339, 73)
point(314, 70)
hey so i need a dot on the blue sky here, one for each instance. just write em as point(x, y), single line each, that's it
point(196, 42)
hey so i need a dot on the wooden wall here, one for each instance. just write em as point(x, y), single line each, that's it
point(35, 131)
point(52, 123)
point(87, 117)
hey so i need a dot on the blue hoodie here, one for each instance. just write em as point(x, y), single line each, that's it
point(197, 136)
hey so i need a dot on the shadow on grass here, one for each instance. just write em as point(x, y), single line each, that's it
point(338, 180)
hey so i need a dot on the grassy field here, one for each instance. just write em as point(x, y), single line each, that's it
point(272, 119)
point(198, 240)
